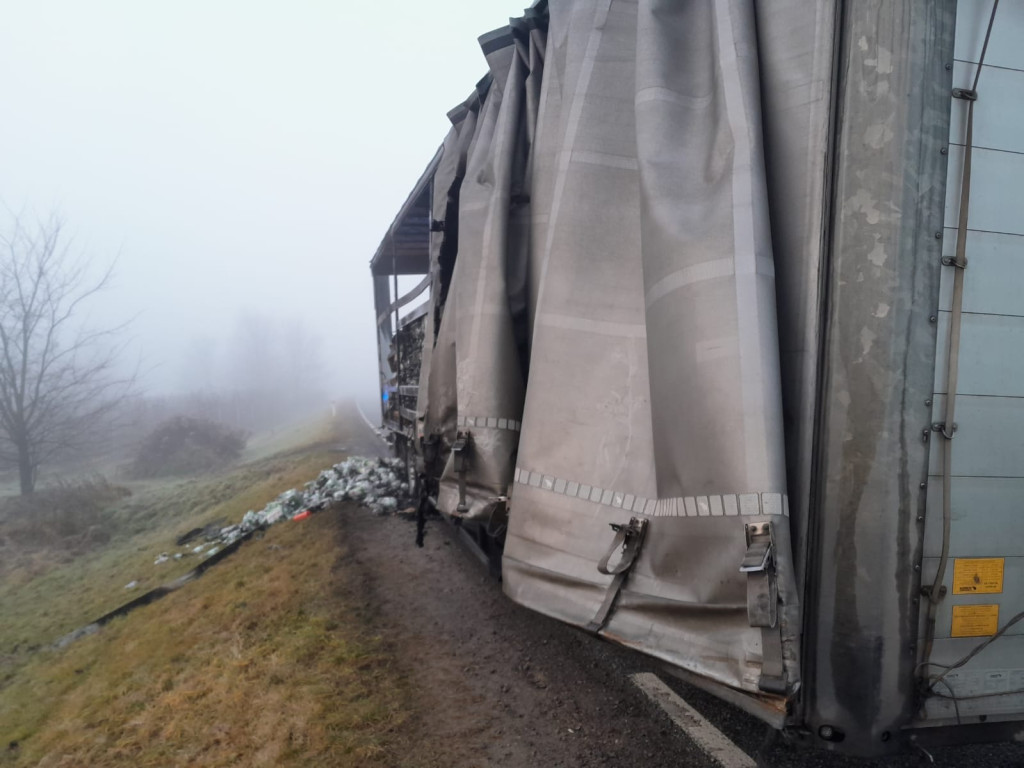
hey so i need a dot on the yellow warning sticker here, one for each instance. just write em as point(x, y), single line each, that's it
point(978, 575)
point(975, 620)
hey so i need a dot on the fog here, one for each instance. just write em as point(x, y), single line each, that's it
point(240, 161)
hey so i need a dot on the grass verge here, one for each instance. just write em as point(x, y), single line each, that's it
point(257, 663)
point(260, 662)
point(45, 595)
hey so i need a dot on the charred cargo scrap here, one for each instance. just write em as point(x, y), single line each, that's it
point(696, 331)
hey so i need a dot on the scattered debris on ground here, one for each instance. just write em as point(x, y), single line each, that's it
point(259, 664)
point(374, 483)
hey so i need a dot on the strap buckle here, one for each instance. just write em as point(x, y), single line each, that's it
point(629, 538)
point(763, 603)
point(759, 553)
point(762, 586)
point(461, 449)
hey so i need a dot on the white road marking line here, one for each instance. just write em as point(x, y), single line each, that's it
point(368, 422)
point(712, 741)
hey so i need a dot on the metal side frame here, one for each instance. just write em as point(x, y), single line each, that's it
point(877, 368)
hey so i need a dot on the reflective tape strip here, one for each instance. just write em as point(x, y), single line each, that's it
point(719, 505)
point(490, 422)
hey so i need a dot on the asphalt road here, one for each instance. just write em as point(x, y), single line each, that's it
point(774, 751)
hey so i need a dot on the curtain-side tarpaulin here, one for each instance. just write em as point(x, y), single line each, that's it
point(608, 341)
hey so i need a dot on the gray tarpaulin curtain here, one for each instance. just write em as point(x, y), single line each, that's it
point(483, 326)
point(610, 337)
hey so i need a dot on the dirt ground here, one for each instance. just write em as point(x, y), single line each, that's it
point(495, 684)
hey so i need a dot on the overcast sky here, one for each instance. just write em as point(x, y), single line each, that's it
point(240, 155)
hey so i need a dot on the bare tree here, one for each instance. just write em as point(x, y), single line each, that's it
point(57, 377)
